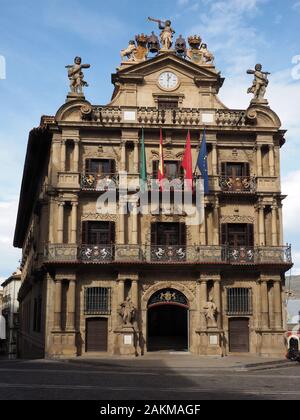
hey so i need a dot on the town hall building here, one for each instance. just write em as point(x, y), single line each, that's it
point(128, 282)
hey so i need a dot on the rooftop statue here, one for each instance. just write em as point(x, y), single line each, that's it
point(260, 83)
point(167, 33)
point(76, 76)
point(198, 53)
point(130, 51)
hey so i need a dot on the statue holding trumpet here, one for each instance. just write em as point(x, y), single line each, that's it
point(167, 32)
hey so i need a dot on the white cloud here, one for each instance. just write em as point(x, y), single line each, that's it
point(182, 2)
point(226, 27)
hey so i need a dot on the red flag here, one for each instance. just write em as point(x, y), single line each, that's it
point(187, 163)
point(161, 169)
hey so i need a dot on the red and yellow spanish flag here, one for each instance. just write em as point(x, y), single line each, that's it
point(161, 169)
point(187, 164)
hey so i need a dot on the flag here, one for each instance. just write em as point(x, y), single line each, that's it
point(143, 164)
point(202, 163)
point(161, 169)
point(187, 163)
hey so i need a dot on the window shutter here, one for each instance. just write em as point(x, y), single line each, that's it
point(88, 165)
point(112, 233)
point(112, 166)
point(224, 233)
point(250, 235)
point(84, 232)
point(223, 168)
point(182, 234)
point(155, 169)
point(246, 169)
point(154, 234)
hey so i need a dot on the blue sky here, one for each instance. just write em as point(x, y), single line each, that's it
point(38, 38)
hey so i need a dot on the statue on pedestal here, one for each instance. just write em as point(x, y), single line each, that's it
point(211, 312)
point(127, 312)
point(76, 76)
point(167, 33)
point(130, 51)
point(260, 83)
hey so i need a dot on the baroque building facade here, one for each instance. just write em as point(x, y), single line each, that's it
point(133, 283)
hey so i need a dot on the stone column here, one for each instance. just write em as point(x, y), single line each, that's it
point(51, 219)
point(57, 305)
point(218, 301)
point(214, 159)
point(271, 160)
point(135, 293)
point(63, 156)
point(121, 228)
point(274, 225)
point(216, 224)
point(76, 156)
point(259, 160)
point(261, 211)
point(71, 298)
point(203, 300)
point(136, 157)
point(74, 223)
point(123, 156)
point(134, 230)
point(277, 304)
point(60, 222)
point(264, 305)
point(281, 239)
point(121, 291)
point(202, 233)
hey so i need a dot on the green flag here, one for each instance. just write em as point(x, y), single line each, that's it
point(143, 164)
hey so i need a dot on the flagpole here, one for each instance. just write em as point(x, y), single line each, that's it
point(199, 147)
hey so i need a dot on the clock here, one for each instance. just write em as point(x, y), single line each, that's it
point(168, 80)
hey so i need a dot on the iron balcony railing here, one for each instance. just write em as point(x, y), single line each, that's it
point(99, 182)
point(238, 184)
point(101, 254)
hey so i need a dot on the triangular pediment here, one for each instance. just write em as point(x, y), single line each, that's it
point(167, 60)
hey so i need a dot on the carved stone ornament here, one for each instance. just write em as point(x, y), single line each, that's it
point(237, 219)
point(76, 76)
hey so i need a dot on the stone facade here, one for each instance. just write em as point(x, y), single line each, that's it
point(58, 196)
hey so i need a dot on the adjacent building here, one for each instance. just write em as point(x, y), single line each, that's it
point(10, 312)
point(129, 283)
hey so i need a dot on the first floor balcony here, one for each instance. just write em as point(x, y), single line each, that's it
point(167, 254)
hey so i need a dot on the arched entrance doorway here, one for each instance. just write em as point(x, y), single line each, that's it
point(168, 318)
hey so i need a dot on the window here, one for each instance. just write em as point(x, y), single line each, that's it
point(98, 233)
point(167, 103)
point(97, 301)
point(168, 234)
point(172, 169)
point(235, 170)
point(239, 301)
point(100, 166)
point(237, 235)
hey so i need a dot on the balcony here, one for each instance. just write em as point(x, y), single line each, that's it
point(68, 180)
point(108, 254)
point(243, 184)
point(259, 255)
point(152, 116)
point(99, 182)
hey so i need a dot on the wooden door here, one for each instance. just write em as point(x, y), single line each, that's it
point(96, 334)
point(239, 335)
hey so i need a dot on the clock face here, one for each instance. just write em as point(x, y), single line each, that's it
point(168, 80)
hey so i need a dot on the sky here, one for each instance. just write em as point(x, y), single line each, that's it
point(39, 38)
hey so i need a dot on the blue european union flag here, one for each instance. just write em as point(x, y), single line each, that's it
point(202, 163)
